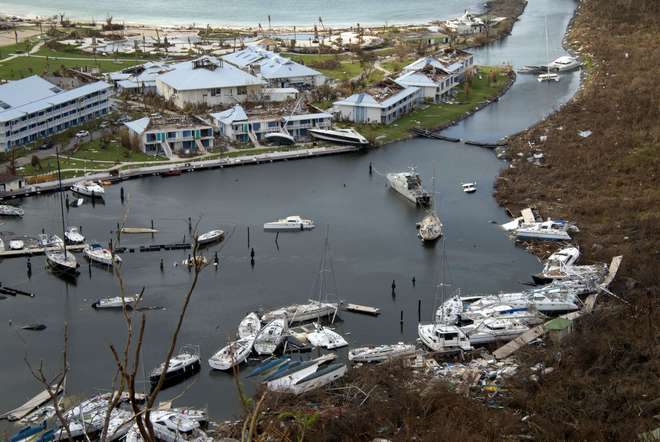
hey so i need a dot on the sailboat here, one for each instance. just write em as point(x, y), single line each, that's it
point(61, 261)
point(547, 76)
point(430, 227)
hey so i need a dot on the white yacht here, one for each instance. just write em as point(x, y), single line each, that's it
point(381, 352)
point(469, 187)
point(326, 337)
point(292, 223)
point(210, 237)
point(249, 327)
point(88, 188)
point(270, 337)
point(430, 227)
point(337, 135)
point(115, 302)
point(7, 210)
point(409, 184)
point(180, 367)
point(313, 310)
point(73, 236)
point(443, 338)
point(556, 264)
point(97, 253)
point(494, 329)
point(546, 230)
point(564, 63)
point(232, 354)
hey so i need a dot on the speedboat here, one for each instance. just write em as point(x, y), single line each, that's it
point(7, 210)
point(73, 236)
point(210, 237)
point(320, 378)
point(232, 354)
point(337, 135)
point(430, 228)
point(470, 187)
point(556, 265)
point(303, 312)
point(62, 262)
point(326, 337)
point(88, 188)
point(548, 76)
point(409, 184)
point(546, 230)
point(180, 367)
point(16, 244)
point(270, 337)
point(116, 302)
point(380, 352)
point(279, 138)
point(564, 63)
point(97, 253)
point(249, 326)
point(292, 223)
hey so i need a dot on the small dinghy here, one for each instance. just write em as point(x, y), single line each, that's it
point(232, 354)
point(99, 254)
point(16, 244)
point(249, 326)
point(115, 302)
point(270, 337)
point(210, 237)
point(196, 261)
point(73, 236)
point(381, 352)
point(470, 187)
point(326, 337)
point(7, 210)
point(181, 367)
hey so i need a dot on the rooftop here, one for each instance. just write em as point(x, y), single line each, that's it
point(284, 111)
point(164, 123)
point(271, 65)
point(381, 95)
point(207, 73)
point(427, 76)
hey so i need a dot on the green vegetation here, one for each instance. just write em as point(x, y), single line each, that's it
point(113, 151)
point(49, 165)
point(22, 67)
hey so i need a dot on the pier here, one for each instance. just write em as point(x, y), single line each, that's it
point(31, 251)
point(364, 309)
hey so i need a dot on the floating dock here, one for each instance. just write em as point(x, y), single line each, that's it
point(31, 405)
point(364, 309)
point(38, 251)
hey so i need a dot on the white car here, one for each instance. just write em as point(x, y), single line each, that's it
point(82, 134)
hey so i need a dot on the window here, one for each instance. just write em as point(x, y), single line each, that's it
point(241, 91)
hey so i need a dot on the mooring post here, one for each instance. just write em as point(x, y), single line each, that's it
point(248, 237)
point(29, 268)
point(189, 224)
point(413, 281)
point(419, 310)
point(162, 265)
point(93, 200)
point(121, 194)
point(393, 288)
point(370, 168)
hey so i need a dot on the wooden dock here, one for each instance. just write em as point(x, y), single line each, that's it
point(364, 309)
point(38, 251)
point(31, 405)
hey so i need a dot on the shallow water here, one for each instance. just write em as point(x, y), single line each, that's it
point(371, 230)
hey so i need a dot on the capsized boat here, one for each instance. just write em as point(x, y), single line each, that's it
point(72, 235)
point(249, 326)
point(409, 184)
point(27, 432)
point(268, 365)
point(115, 302)
point(320, 378)
point(7, 210)
point(470, 187)
point(292, 223)
point(313, 310)
point(180, 367)
point(285, 378)
point(232, 354)
point(210, 237)
point(78, 202)
point(338, 135)
point(97, 253)
point(88, 188)
point(270, 337)
point(430, 227)
point(326, 337)
point(381, 352)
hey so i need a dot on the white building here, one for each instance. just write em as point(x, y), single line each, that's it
point(382, 103)
point(435, 83)
point(208, 81)
point(278, 71)
point(33, 108)
point(168, 135)
point(245, 125)
point(139, 79)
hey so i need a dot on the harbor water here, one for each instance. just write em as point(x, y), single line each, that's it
point(371, 233)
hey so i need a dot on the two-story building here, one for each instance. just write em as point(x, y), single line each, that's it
point(167, 135)
point(382, 103)
point(33, 108)
point(453, 61)
point(434, 83)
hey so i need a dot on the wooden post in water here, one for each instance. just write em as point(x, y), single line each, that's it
point(419, 310)
point(248, 236)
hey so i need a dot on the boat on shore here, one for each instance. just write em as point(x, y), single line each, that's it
point(443, 338)
point(72, 235)
point(115, 302)
point(311, 311)
point(7, 210)
point(338, 135)
point(249, 327)
point(556, 264)
point(290, 223)
point(88, 188)
point(430, 227)
point(232, 354)
point(181, 367)
point(270, 337)
point(409, 184)
point(547, 230)
point(320, 378)
point(381, 352)
point(97, 253)
point(564, 63)
point(210, 237)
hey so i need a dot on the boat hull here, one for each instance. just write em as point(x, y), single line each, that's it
point(175, 376)
point(337, 138)
point(290, 228)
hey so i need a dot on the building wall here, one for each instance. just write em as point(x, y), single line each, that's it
point(359, 114)
point(382, 115)
point(210, 97)
point(179, 139)
point(298, 129)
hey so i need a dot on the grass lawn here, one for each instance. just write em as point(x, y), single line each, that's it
point(113, 152)
point(73, 52)
point(434, 115)
point(395, 66)
point(22, 67)
point(49, 165)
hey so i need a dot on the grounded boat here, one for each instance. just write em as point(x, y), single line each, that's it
point(99, 254)
point(268, 365)
point(381, 352)
point(430, 227)
point(292, 223)
point(320, 378)
point(313, 310)
point(443, 338)
point(270, 337)
point(337, 135)
point(287, 376)
point(409, 184)
point(26, 433)
point(7, 210)
point(556, 265)
point(249, 327)
point(88, 188)
point(232, 354)
point(279, 138)
point(564, 63)
point(171, 426)
point(470, 187)
point(115, 302)
point(181, 367)
point(326, 337)
point(494, 329)
point(210, 237)
point(73, 236)
point(546, 230)
point(171, 172)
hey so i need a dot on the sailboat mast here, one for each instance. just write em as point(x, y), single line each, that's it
point(59, 179)
point(547, 50)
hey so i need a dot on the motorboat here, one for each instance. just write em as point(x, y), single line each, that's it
point(115, 302)
point(548, 76)
point(171, 426)
point(72, 235)
point(409, 184)
point(232, 354)
point(270, 337)
point(88, 188)
point(48, 241)
point(556, 264)
point(180, 367)
point(326, 337)
point(210, 237)
point(62, 262)
point(564, 63)
point(320, 378)
point(494, 329)
point(338, 135)
point(16, 244)
point(279, 138)
point(443, 338)
point(469, 187)
point(311, 311)
point(291, 223)
point(97, 253)
point(249, 327)
point(546, 230)
point(7, 210)
point(430, 227)
point(381, 352)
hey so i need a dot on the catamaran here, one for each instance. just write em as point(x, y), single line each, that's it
point(326, 337)
point(547, 76)
point(409, 184)
point(546, 230)
point(303, 312)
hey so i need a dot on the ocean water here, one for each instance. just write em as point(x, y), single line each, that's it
point(247, 12)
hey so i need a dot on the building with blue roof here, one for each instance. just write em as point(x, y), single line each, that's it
point(382, 103)
point(33, 108)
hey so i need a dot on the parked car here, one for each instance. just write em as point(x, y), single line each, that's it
point(82, 134)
